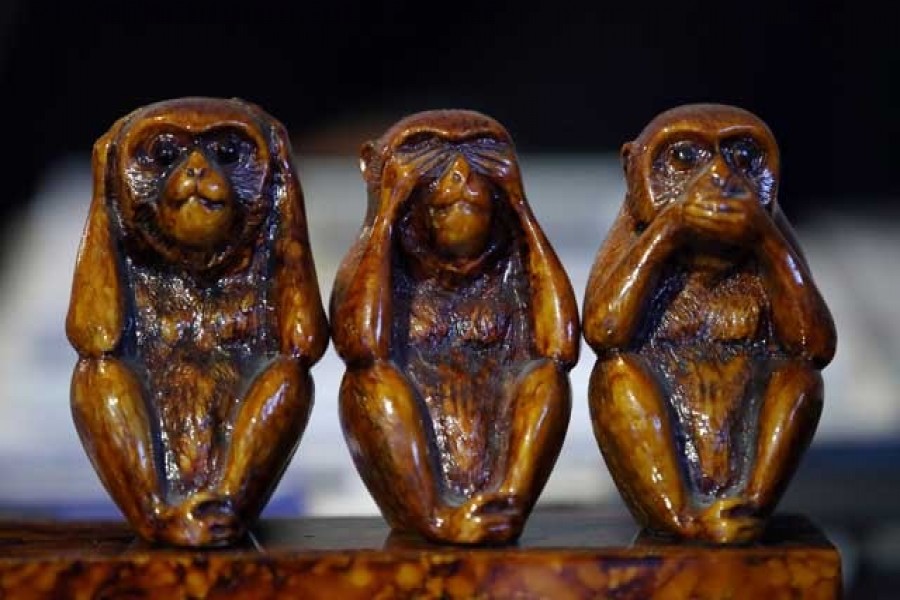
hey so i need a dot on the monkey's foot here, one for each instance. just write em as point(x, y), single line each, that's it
point(728, 521)
point(489, 518)
point(202, 519)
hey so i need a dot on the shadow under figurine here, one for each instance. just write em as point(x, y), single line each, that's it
point(709, 331)
point(458, 326)
point(196, 315)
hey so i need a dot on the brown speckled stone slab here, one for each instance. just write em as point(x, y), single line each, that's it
point(563, 554)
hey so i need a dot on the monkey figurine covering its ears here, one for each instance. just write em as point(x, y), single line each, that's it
point(196, 315)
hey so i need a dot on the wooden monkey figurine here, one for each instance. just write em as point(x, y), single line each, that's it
point(196, 315)
point(709, 331)
point(458, 326)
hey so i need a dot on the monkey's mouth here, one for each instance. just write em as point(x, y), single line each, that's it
point(211, 204)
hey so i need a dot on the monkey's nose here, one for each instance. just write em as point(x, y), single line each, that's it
point(729, 184)
point(735, 188)
point(719, 172)
point(196, 165)
point(456, 174)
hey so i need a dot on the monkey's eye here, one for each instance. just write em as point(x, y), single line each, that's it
point(417, 142)
point(227, 151)
point(165, 150)
point(684, 155)
point(745, 155)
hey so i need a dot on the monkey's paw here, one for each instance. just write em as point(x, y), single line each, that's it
point(730, 521)
point(490, 518)
point(202, 519)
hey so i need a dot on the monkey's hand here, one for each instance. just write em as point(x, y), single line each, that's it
point(399, 177)
point(669, 225)
point(740, 221)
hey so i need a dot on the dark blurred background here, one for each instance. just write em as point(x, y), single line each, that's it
point(563, 76)
point(571, 81)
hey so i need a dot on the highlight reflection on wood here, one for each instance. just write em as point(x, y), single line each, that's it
point(458, 326)
point(562, 555)
point(708, 328)
point(196, 315)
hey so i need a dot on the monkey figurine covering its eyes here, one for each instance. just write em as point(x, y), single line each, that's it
point(709, 331)
point(196, 315)
point(458, 326)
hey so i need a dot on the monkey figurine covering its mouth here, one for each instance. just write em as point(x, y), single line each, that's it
point(709, 331)
point(196, 315)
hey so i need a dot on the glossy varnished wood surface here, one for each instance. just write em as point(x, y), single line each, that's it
point(562, 554)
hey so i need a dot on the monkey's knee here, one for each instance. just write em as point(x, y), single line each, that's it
point(107, 376)
point(791, 407)
point(542, 403)
point(621, 390)
point(544, 381)
point(797, 385)
point(277, 407)
point(381, 418)
point(106, 396)
point(284, 385)
point(628, 409)
point(376, 396)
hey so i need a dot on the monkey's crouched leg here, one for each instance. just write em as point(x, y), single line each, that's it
point(634, 432)
point(110, 415)
point(386, 434)
point(269, 424)
point(788, 419)
point(540, 407)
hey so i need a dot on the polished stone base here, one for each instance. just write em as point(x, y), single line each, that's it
point(563, 554)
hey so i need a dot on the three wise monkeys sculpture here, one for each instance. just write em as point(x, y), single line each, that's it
point(196, 315)
point(458, 326)
point(708, 328)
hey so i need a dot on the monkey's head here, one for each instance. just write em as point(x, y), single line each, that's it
point(451, 167)
point(708, 150)
point(190, 179)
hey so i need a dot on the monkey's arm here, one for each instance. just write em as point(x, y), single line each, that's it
point(361, 307)
point(96, 312)
point(801, 320)
point(302, 326)
point(361, 311)
point(623, 278)
point(556, 329)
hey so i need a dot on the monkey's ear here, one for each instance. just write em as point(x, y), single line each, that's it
point(367, 155)
point(302, 326)
point(96, 309)
point(625, 153)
